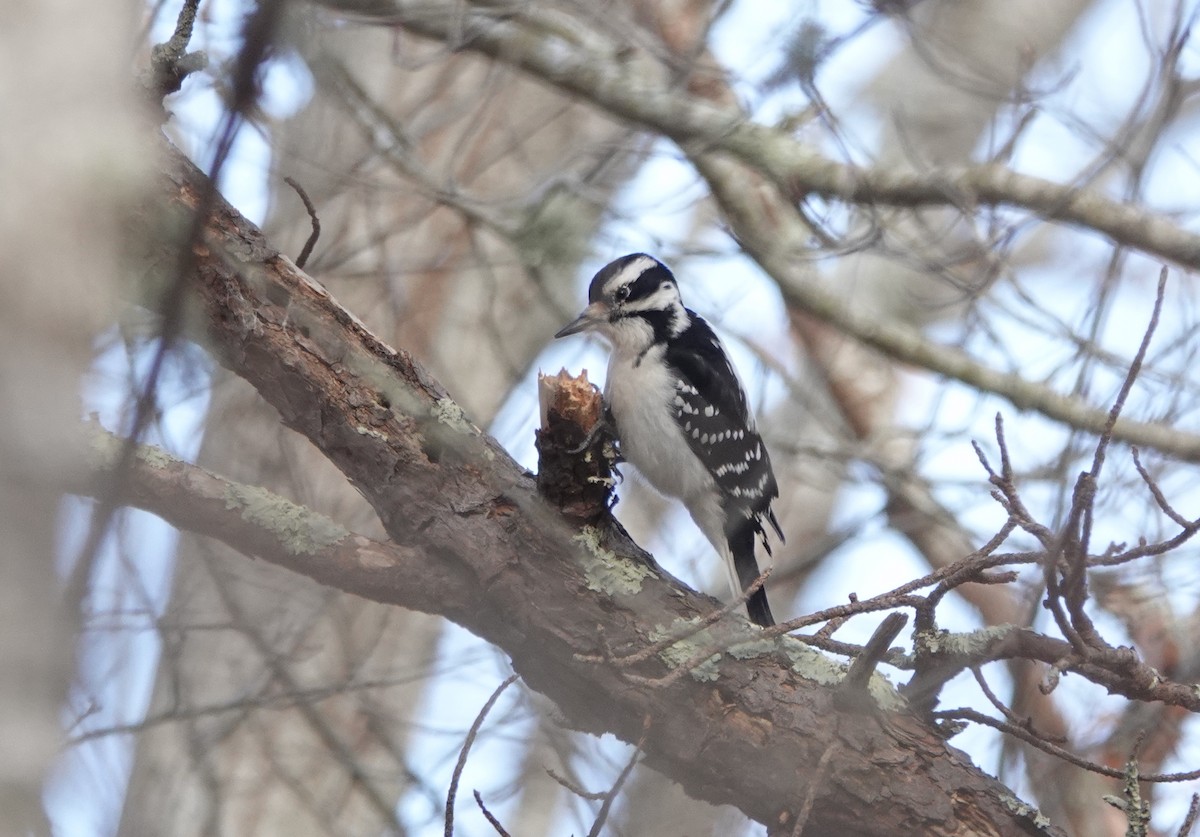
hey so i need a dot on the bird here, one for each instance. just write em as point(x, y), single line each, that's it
point(681, 414)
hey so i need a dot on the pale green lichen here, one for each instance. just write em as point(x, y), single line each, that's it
point(383, 381)
point(811, 664)
point(678, 653)
point(155, 457)
point(105, 449)
point(973, 644)
point(447, 411)
point(743, 642)
point(302, 532)
point(605, 571)
point(757, 647)
point(1026, 811)
point(734, 636)
point(374, 434)
point(885, 695)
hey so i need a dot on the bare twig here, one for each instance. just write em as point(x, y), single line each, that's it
point(864, 664)
point(1012, 717)
point(490, 816)
point(810, 794)
point(1006, 490)
point(1066, 567)
point(1157, 493)
point(827, 630)
point(466, 749)
point(1135, 367)
point(594, 796)
point(170, 62)
point(606, 807)
point(1029, 737)
point(306, 251)
point(1190, 820)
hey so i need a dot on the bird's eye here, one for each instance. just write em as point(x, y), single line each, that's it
point(621, 293)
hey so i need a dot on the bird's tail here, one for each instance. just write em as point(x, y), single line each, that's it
point(741, 545)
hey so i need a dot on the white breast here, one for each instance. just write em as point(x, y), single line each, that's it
point(640, 396)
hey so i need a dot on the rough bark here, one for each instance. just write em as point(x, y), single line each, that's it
point(547, 594)
point(399, 248)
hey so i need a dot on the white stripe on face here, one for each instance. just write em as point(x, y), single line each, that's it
point(629, 273)
point(664, 298)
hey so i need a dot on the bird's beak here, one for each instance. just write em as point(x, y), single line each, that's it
point(592, 316)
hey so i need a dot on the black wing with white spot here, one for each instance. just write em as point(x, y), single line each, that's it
point(712, 410)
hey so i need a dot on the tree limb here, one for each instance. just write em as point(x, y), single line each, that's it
point(510, 570)
point(579, 62)
point(565, 55)
point(260, 523)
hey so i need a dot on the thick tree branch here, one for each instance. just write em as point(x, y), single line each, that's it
point(565, 54)
point(744, 732)
point(257, 522)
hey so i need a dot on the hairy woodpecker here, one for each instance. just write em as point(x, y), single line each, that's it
point(681, 414)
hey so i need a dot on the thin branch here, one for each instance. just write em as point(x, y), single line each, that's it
point(1031, 738)
point(594, 796)
point(1135, 367)
point(810, 794)
point(1074, 540)
point(491, 818)
point(1188, 821)
point(1157, 493)
point(606, 807)
point(859, 675)
point(466, 749)
point(584, 65)
point(306, 251)
point(1012, 717)
point(258, 33)
point(170, 62)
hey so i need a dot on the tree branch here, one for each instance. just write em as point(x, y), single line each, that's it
point(565, 54)
point(744, 732)
point(578, 61)
point(257, 522)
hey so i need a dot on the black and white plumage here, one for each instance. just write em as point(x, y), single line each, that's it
point(681, 413)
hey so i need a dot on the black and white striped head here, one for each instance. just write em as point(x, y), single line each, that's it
point(633, 302)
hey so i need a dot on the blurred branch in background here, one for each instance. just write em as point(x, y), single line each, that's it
point(918, 213)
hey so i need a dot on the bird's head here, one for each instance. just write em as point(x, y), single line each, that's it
point(633, 302)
